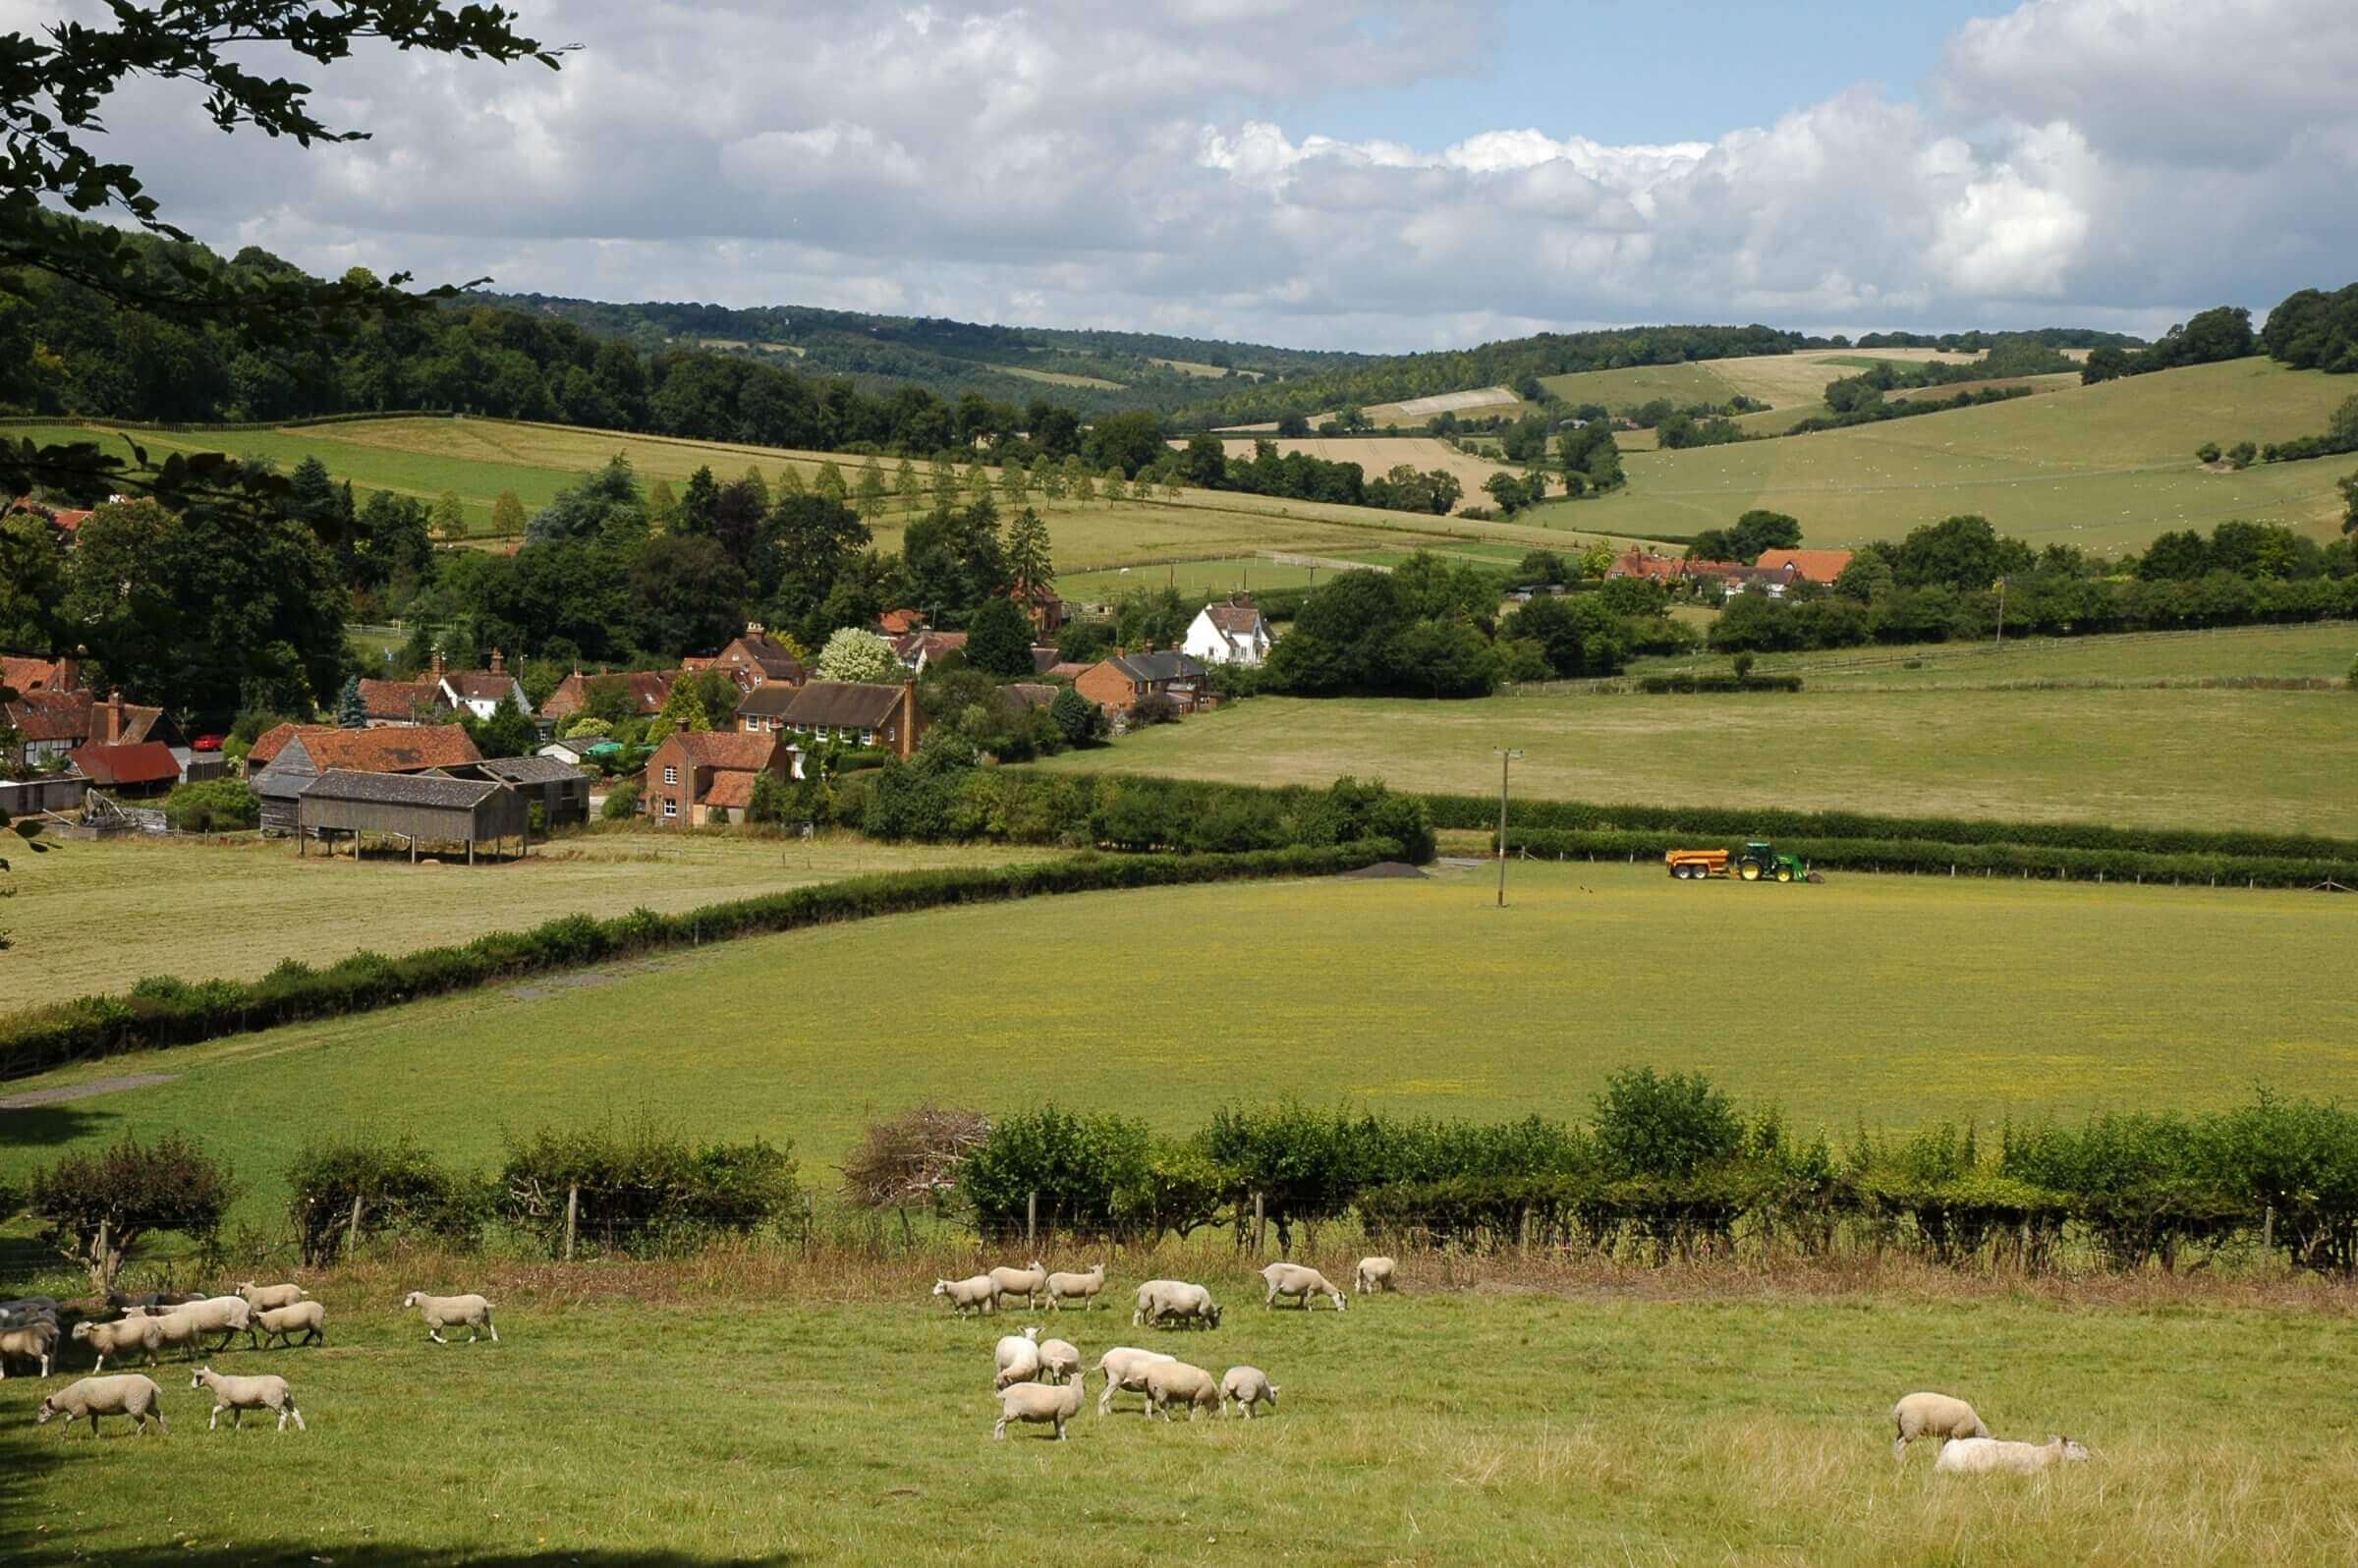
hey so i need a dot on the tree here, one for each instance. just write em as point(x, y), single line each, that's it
point(1292, 424)
point(1030, 569)
point(450, 517)
point(350, 713)
point(871, 488)
point(2208, 452)
point(905, 484)
point(684, 594)
point(828, 483)
point(790, 484)
point(854, 654)
point(700, 501)
point(1116, 489)
point(772, 801)
point(1506, 489)
point(603, 507)
point(2242, 455)
point(95, 1208)
point(1077, 720)
point(662, 507)
point(684, 709)
point(506, 733)
point(1128, 440)
point(999, 641)
point(1077, 481)
point(1015, 483)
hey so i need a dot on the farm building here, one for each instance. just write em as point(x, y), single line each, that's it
point(857, 713)
point(418, 808)
point(580, 750)
point(704, 777)
point(560, 789)
point(1118, 683)
point(129, 769)
point(313, 751)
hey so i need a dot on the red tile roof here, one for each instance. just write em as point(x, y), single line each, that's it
point(1810, 566)
point(733, 788)
point(400, 700)
point(648, 689)
point(1237, 620)
point(411, 749)
point(141, 763)
point(272, 741)
point(32, 675)
point(898, 622)
point(726, 749)
point(484, 686)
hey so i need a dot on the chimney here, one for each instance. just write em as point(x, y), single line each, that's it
point(437, 665)
point(69, 674)
point(498, 663)
point(114, 716)
point(752, 629)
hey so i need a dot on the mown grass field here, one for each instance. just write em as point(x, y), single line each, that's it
point(2244, 652)
point(782, 1414)
point(93, 918)
point(1409, 996)
point(2228, 759)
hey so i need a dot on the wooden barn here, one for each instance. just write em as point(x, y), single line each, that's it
point(418, 808)
point(560, 789)
point(301, 755)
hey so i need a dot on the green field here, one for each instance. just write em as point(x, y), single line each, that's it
point(1619, 390)
point(770, 1414)
point(2225, 759)
point(2324, 653)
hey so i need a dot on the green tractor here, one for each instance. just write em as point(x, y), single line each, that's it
point(1764, 862)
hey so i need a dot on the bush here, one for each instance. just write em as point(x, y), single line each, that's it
point(212, 806)
point(1673, 1127)
point(1155, 708)
point(622, 803)
point(396, 1186)
point(642, 1189)
point(94, 1208)
point(1075, 1164)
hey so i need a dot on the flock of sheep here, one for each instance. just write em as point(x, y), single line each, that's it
point(169, 1320)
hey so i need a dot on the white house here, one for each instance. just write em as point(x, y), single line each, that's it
point(478, 692)
point(1227, 633)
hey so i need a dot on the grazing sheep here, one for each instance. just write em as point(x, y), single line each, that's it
point(1934, 1416)
point(25, 1311)
point(1191, 1386)
point(1125, 1367)
point(124, 1395)
point(1083, 1288)
point(263, 1298)
point(1374, 1275)
point(121, 1338)
point(226, 1315)
point(1248, 1386)
point(305, 1317)
point(33, 1342)
point(1294, 1279)
point(1983, 1456)
point(440, 1312)
point(1028, 1283)
point(1159, 1299)
point(1018, 1358)
point(1037, 1401)
point(180, 1330)
point(976, 1294)
point(1059, 1361)
point(237, 1395)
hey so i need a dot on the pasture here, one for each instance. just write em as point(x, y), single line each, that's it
point(2321, 653)
point(1378, 455)
point(2207, 757)
point(770, 1410)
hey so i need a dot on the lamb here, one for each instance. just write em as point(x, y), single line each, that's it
point(121, 1338)
point(237, 1395)
point(1029, 1282)
point(124, 1395)
point(1018, 1358)
point(1983, 1456)
point(1192, 1387)
point(1037, 1401)
point(1295, 1279)
point(1083, 1288)
point(976, 1294)
point(305, 1317)
point(1248, 1386)
point(1934, 1416)
point(1374, 1277)
point(263, 1298)
point(33, 1342)
point(1059, 1361)
point(440, 1312)
point(1159, 1299)
point(1124, 1366)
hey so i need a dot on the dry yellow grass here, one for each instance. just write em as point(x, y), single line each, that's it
point(1780, 380)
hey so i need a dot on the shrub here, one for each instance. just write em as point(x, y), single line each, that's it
point(212, 806)
point(1075, 1164)
point(342, 1187)
point(1155, 708)
point(1654, 1126)
point(642, 1189)
point(912, 1157)
point(622, 803)
point(95, 1208)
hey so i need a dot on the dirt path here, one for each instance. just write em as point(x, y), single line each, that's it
point(90, 1090)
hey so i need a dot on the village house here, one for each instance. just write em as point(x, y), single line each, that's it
point(697, 777)
point(899, 623)
point(23, 675)
point(402, 702)
point(1040, 603)
point(917, 649)
point(480, 691)
point(1227, 633)
point(1821, 567)
point(56, 721)
point(644, 690)
point(305, 752)
point(857, 713)
point(757, 659)
point(1117, 684)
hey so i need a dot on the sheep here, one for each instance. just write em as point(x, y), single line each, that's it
point(121, 1338)
point(1192, 1387)
point(237, 1395)
point(1059, 1361)
point(1159, 1299)
point(1018, 1358)
point(124, 1395)
point(1036, 1402)
point(1030, 1282)
point(976, 1294)
point(26, 1310)
point(263, 1298)
point(226, 1315)
point(1982, 1456)
point(441, 1311)
point(1248, 1386)
point(1374, 1277)
point(162, 1300)
point(1124, 1366)
point(1295, 1279)
point(33, 1342)
point(180, 1330)
point(305, 1317)
point(1934, 1416)
point(1082, 1287)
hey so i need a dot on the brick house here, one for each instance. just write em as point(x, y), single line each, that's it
point(857, 713)
point(1116, 684)
point(757, 659)
point(646, 690)
point(1821, 567)
point(700, 776)
point(389, 702)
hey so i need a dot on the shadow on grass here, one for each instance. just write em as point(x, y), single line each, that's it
point(47, 1126)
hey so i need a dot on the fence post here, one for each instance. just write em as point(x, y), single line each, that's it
point(106, 1275)
point(1260, 1225)
point(573, 1214)
point(2268, 1229)
point(352, 1228)
point(807, 1217)
point(1031, 1218)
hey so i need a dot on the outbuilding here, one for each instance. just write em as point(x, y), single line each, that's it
point(560, 789)
point(416, 808)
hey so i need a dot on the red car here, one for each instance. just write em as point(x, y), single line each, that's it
point(206, 743)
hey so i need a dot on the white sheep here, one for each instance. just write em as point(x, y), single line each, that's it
point(1125, 1367)
point(1248, 1386)
point(180, 1331)
point(1192, 1387)
point(124, 1395)
point(237, 1395)
point(440, 1312)
point(263, 1298)
point(1028, 1283)
point(1059, 1361)
point(1037, 1401)
point(1159, 1299)
point(226, 1315)
point(1018, 1358)
point(1374, 1277)
point(1082, 1287)
point(121, 1338)
point(1982, 1456)
point(1939, 1416)
point(1299, 1281)
point(305, 1317)
point(976, 1294)
point(35, 1341)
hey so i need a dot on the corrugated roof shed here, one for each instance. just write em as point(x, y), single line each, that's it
point(530, 769)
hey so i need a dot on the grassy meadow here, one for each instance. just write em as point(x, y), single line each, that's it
point(2320, 653)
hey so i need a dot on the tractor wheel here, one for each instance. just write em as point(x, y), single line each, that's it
point(1752, 871)
point(1784, 873)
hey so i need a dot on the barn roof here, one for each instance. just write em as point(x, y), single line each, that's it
point(401, 788)
point(528, 769)
point(408, 750)
point(1810, 566)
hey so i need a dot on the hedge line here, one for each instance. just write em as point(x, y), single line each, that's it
point(1683, 685)
point(1928, 855)
point(163, 1011)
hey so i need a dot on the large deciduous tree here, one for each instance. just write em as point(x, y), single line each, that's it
point(852, 654)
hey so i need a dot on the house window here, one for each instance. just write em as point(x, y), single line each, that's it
point(671, 775)
point(671, 808)
point(868, 737)
point(822, 732)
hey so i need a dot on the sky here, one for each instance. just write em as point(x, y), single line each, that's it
point(1330, 173)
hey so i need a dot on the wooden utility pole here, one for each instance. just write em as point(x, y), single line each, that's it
point(1506, 759)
